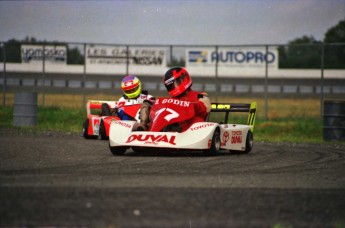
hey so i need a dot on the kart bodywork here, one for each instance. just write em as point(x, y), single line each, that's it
point(210, 137)
point(98, 124)
point(95, 124)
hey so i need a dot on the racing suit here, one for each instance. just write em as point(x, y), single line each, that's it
point(202, 107)
point(141, 99)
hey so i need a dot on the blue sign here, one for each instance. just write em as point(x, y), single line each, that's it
point(197, 56)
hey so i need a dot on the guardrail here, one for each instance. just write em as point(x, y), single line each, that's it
point(78, 83)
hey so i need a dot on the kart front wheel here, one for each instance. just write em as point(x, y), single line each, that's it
point(118, 150)
point(102, 131)
point(249, 142)
point(215, 144)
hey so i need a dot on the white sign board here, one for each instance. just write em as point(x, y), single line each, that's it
point(33, 54)
point(113, 59)
point(231, 61)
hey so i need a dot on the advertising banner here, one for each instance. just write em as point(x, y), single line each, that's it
point(33, 54)
point(231, 60)
point(113, 59)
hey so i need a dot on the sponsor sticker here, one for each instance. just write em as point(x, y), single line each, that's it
point(152, 139)
point(209, 143)
point(201, 126)
point(95, 125)
point(226, 137)
point(220, 106)
point(121, 123)
point(236, 137)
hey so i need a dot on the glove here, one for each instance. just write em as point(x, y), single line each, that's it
point(114, 112)
point(206, 101)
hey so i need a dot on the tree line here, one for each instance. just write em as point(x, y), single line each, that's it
point(13, 50)
point(306, 52)
point(301, 53)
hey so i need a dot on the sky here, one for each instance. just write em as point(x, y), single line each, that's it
point(170, 22)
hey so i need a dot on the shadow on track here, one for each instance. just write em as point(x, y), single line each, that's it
point(139, 152)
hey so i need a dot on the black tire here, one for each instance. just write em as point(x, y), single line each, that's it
point(118, 150)
point(249, 142)
point(102, 131)
point(85, 128)
point(105, 110)
point(215, 144)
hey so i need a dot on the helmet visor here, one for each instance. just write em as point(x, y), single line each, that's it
point(173, 83)
point(133, 90)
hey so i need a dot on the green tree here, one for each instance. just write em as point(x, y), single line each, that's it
point(336, 34)
point(176, 62)
point(30, 39)
point(335, 46)
point(13, 52)
point(74, 56)
point(301, 53)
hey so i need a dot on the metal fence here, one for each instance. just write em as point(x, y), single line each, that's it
point(304, 70)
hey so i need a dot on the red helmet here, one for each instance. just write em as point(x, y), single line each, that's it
point(177, 81)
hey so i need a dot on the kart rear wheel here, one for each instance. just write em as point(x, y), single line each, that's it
point(85, 130)
point(117, 150)
point(102, 131)
point(249, 142)
point(215, 144)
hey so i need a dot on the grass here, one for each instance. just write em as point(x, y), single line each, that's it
point(289, 120)
point(290, 130)
point(49, 118)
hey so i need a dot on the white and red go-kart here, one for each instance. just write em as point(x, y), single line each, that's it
point(166, 113)
point(99, 118)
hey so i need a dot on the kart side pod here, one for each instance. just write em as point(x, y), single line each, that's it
point(238, 107)
point(203, 136)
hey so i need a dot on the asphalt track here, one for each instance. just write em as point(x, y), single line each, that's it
point(63, 180)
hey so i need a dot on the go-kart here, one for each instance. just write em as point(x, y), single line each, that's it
point(167, 113)
point(100, 116)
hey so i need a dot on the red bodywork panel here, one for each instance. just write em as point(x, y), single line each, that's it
point(167, 111)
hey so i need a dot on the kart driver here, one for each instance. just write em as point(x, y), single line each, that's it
point(178, 84)
point(132, 94)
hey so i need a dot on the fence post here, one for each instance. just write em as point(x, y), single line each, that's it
point(322, 77)
point(84, 77)
point(127, 59)
point(4, 75)
point(216, 72)
point(43, 74)
point(171, 55)
point(266, 85)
